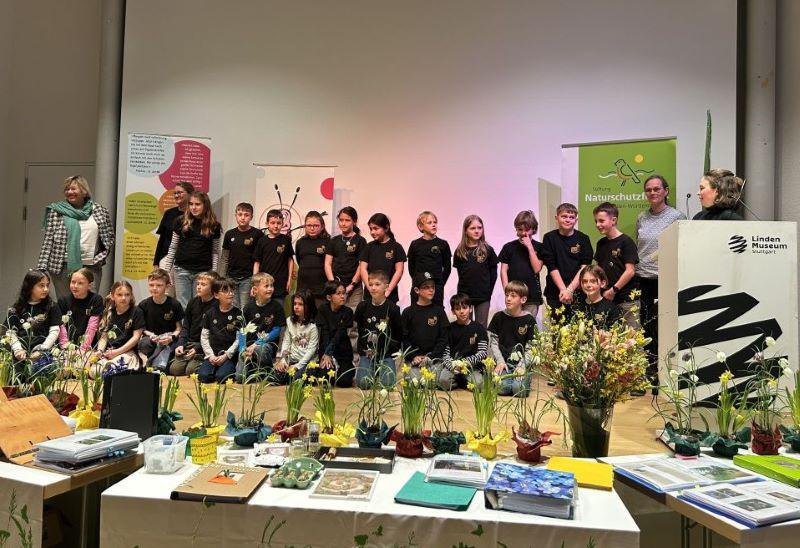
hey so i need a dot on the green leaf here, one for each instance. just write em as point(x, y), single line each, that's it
point(361, 540)
point(379, 531)
point(24, 513)
point(478, 531)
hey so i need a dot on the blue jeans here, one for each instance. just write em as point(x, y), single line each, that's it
point(518, 386)
point(241, 295)
point(157, 354)
point(209, 373)
point(184, 285)
point(259, 361)
point(366, 372)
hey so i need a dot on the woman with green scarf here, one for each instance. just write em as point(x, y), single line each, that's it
point(77, 233)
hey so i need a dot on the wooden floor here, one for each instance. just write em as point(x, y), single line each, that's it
point(632, 427)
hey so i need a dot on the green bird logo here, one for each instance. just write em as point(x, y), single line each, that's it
point(625, 173)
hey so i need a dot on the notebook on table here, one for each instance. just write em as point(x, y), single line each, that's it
point(418, 492)
point(221, 483)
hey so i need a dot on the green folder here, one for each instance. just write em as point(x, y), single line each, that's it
point(778, 467)
point(418, 492)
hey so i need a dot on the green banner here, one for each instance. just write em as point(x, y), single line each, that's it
point(616, 172)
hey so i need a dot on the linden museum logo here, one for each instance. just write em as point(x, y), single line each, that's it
point(763, 245)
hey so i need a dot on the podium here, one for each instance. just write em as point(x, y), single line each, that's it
point(725, 286)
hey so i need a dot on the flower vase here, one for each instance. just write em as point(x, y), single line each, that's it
point(410, 447)
point(297, 430)
point(446, 442)
point(591, 430)
point(485, 446)
point(765, 442)
point(371, 436)
point(530, 450)
point(203, 449)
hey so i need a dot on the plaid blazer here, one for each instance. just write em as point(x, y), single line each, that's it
point(53, 255)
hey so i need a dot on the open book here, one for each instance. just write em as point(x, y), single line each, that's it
point(753, 504)
point(86, 446)
point(669, 474)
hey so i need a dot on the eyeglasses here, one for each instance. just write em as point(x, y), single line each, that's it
point(313, 226)
point(228, 290)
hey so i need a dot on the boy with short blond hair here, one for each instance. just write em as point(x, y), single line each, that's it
point(430, 253)
point(617, 255)
point(238, 248)
point(188, 352)
point(267, 317)
point(510, 332)
point(162, 321)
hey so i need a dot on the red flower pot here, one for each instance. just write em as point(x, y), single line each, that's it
point(411, 448)
point(297, 430)
point(531, 450)
point(764, 441)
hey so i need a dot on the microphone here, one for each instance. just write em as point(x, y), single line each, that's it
point(739, 200)
point(688, 195)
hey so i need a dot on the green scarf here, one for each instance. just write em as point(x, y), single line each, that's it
point(71, 215)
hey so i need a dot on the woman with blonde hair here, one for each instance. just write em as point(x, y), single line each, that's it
point(720, 191)
point(78, 233)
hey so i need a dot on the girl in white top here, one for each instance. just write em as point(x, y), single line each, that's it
point(300, 340)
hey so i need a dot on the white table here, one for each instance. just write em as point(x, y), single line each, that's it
point(137, 511)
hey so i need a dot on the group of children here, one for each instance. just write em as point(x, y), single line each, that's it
point(234, 324)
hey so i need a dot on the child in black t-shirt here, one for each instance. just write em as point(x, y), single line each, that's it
point(520, 260)
point(511, 330)
point(219, 338)
point(188, 351)
point(379, 332)
point(121, 328)
point(466, 349)
point(383, 253)
point(603, 313)
point(274, 255)
point(310, 252)
point(341, 256)
point(81, 312)
point(33, 322)
point(238, 249)
point(162, 322)
point(617, 255)
point(334, 319)
point(476, 263)
point(430, 254)
point(424, 328)
point(564, 252)
point(264, 320)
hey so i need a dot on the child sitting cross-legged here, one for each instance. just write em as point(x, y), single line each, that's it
point(162, 321)
point(510, 332)
point(300, 341)
point(219, 338)
point(334, 319)
point(264, 320)
point(188, 352)
point(379, 333)
point(424, 327)
point(466, 349)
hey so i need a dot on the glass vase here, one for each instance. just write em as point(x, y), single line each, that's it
point(590, 429)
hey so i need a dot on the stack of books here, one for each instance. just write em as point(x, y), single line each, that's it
point(531, 491)
point(778, 467)
point(458, 470)
point(85, 449)
point(752, 504)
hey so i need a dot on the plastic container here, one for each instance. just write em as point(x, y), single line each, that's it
point(164, 454)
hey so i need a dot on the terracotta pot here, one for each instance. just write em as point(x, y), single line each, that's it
point(765, 442)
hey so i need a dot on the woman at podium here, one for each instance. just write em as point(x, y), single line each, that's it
point(719, 194)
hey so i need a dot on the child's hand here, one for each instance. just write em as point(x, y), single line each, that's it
point(500, 368)
point(608, 294)
point(387, 293)
point(526, 241)
point(281, 366)
point(155, 338)
point(417, 360)
point(289, 286)
point(519, 371)
point(370, 353)
point(110, 354)
point(35, 355)
point(179, 351)
point(249, 350)
point(20, 354)
point(565, 296)
point(326, 362)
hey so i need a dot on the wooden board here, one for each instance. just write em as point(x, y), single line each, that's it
point(25, 422)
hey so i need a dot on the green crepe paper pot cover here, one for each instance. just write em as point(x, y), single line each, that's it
point(446, 442)
point(373, 437)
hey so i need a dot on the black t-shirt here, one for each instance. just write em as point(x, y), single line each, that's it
point(513, 332)
point(425, 330)
point(241, 247)
point(222, 327)
point(567, 254)
point(164, 231)
point(273, 256)
point(369, 316)
point(383, 256)
point(431, 256)
point(345, 253)
point(41, 316)
point(160, 318)
point(603, 313)
point(515, 255)
point(464, 339)
point(195, 250)
point(611, 256)
point(79, 312)
point(310, 254)
point(333, 338)
point(476, 276)
point(193, 321)
point(123, 325)
point(265, 317)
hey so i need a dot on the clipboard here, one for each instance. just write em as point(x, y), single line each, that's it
point(24, 422)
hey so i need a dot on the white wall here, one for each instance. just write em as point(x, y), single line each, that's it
point(458, 106)
point(49, 52)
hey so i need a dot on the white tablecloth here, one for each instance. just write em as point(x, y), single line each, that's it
point(137, 511)
point(27, 486)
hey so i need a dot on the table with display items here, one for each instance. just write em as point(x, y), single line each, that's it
point(281, 517)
